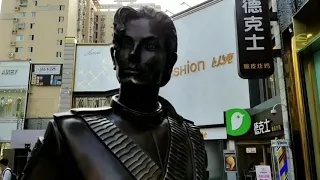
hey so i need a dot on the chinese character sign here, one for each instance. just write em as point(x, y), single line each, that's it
point(262, 127)
point(254, 39)
point(263, 172)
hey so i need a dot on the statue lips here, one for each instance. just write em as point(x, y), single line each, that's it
point(133, 71)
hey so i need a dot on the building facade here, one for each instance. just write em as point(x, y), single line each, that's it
point(104, 18)
point(35, 31)
point(300, 30)
point(14, 81)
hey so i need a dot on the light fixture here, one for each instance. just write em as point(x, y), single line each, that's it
point(309, 35)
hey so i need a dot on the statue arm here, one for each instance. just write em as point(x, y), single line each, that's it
point(44, 161)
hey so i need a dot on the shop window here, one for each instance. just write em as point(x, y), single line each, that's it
point(268, 86)
point(3, 146)
point(311, 67)
point(12, 103)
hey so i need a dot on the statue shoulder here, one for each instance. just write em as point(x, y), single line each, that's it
point(78, 112)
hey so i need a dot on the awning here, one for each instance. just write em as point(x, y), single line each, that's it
point(21, 137)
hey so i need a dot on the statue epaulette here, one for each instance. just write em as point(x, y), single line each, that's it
point(83, 111)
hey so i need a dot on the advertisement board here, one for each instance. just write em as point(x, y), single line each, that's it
point(204, 81)
point(14, 74)
point(46, 74)
point(254, 39)
point(94, 69)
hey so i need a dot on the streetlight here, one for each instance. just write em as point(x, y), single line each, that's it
point(286, 131)
point(184, 3)
point(168, 11)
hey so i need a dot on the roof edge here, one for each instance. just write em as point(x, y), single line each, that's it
point(194, 9)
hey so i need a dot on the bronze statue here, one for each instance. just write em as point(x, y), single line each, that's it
point(140, 137)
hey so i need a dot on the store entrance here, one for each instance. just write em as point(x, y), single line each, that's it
point(250, 155)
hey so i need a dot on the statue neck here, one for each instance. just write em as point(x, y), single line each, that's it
point(143, 98)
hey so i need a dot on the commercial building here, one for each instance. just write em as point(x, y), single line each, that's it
point(34, 31)
point(14, 80)
point(250, 140)
point(300, 39)
point(104, 18)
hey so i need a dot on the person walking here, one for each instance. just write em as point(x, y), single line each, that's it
point(6, 171)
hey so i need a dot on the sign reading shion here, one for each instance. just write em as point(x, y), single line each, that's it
point(254, 39)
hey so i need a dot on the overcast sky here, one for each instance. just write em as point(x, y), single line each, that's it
point(173, 6)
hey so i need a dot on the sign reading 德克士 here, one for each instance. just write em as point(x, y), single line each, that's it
point(255, 58)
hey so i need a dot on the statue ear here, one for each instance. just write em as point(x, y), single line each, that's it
point(112, 52)
point(171, 61)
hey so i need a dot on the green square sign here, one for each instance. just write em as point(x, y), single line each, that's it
point(238, 122)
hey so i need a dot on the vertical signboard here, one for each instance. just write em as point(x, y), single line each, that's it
point(254, 39)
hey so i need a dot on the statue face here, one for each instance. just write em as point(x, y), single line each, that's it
point(141, 58)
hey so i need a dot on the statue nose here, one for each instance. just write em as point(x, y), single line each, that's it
point(134, 54)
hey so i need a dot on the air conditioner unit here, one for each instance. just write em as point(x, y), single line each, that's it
point(14, 31)
point(12, 43)
point(17, 8)
point(15, 19)
point(23, 4)
point(11, 55)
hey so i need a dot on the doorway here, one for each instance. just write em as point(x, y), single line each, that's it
point(251, 154)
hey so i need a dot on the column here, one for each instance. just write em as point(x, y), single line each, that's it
point(67, 74)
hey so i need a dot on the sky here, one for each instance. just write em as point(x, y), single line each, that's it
point(173, 6)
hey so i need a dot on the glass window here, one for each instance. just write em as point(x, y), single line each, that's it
point(30, 49)
point(32, 25)
point(32, 37)
point(18, 49)
point(12, 102)
point(59, 42)
point(58, 54)
point(61, 18)
point(60, 30)
point(312, 79)
point(19, 38)
point(62, 7)
point(22, 14)
point(33, 14)
point(35, 3)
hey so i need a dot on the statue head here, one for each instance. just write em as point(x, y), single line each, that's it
point(145, 46)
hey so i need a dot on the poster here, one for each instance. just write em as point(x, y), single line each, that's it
point(230, 161)
point(263, 172)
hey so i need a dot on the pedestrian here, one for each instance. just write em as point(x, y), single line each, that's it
point(6, 171)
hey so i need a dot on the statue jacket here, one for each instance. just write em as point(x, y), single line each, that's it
point(89, 144)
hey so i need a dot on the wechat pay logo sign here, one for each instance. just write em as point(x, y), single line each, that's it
point(238, 122)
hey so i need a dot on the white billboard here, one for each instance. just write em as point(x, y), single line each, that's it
point(14, 74)
point(205, 81)
point(94, 69)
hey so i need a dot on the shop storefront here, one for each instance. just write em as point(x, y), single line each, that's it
point(14, 77)
point(306, 62)
point(252, 134)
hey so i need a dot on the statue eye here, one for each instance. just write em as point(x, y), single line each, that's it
point(151, 46)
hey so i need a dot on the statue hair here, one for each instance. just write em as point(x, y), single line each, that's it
point(126, 13)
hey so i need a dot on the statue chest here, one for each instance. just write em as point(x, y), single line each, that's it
point(163, 152)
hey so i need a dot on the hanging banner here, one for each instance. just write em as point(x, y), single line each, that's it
point(254, 39)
